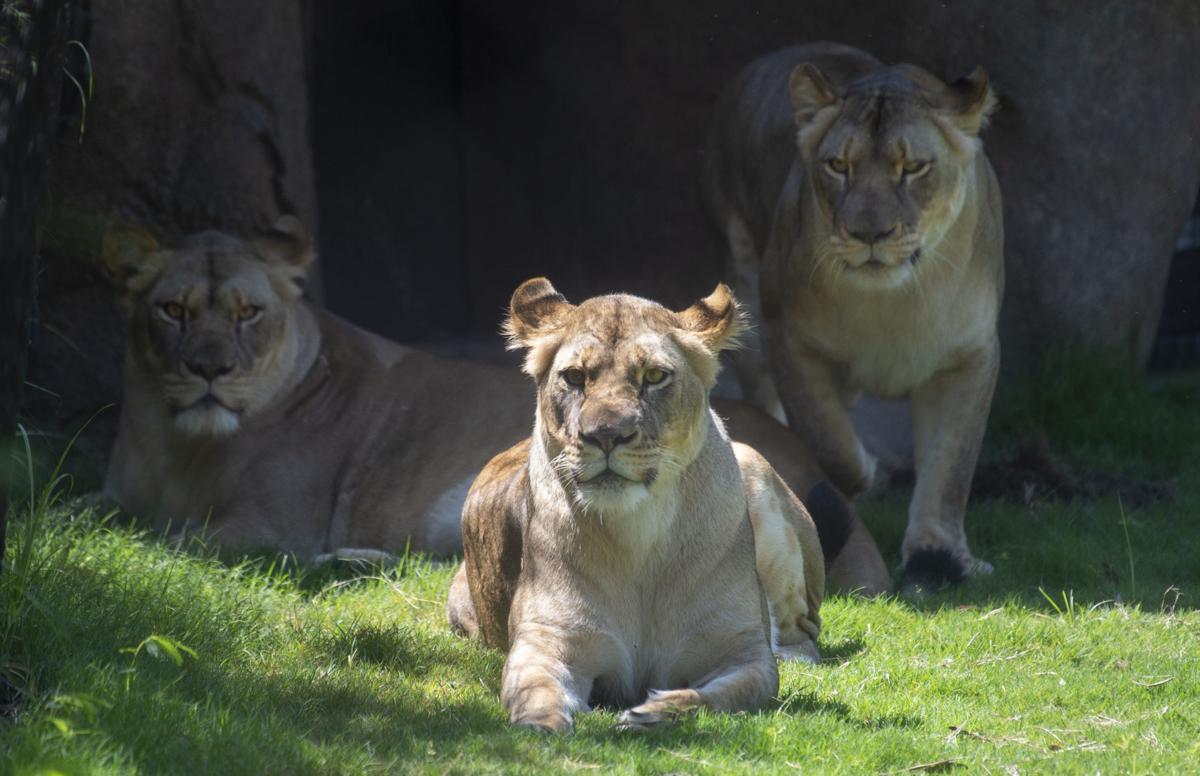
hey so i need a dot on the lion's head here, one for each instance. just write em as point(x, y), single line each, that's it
point(888, 158)
point(622, 385)
point(212, 322)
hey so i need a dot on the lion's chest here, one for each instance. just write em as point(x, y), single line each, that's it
point(651, 633)
point(891, 344)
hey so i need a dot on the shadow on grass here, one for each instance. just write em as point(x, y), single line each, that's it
point(397, 647)
point(841, 651)
point(1097, 551)
point(1099, 472)
point(266, 694)
point(799, 702)
point(293, 729)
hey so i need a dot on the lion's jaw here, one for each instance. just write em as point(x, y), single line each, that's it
point(207, 418)
point(622, 483)
point(222, 407)
point(624, 520)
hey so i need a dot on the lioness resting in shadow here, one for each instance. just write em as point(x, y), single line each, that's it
point(617, 553)
point(857, 200)
point(270, 423)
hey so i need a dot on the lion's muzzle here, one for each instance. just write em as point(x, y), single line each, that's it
point(208, 357)
point(607, 436)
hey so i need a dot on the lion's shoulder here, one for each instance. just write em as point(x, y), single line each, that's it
point(494, 517)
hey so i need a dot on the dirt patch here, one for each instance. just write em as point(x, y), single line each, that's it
point(1034, 473)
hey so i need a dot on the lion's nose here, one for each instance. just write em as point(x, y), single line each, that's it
point(209, 370)
point(607, 436)
point(871, 236)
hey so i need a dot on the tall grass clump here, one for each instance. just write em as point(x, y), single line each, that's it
point(89, 602)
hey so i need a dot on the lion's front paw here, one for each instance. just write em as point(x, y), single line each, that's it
point(660, 706)
point(974, 567)
point(544, 720)
point(803, 652)
point(932, 568)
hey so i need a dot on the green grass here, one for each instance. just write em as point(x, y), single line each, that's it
point(1055, 663)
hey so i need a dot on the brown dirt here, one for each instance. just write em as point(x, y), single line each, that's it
point(1035, 473)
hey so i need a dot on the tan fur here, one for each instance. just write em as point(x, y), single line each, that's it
point(325, 437)
point(859, 199)
point(853, 563)
point(614, 552)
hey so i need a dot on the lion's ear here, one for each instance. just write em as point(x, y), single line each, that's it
point(717, 319)
point(536, 310)
point(970, 102)
point(132, 258)
point(810, 91)
point(286, 247)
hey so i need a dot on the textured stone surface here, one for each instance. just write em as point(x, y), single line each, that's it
point(199, 118)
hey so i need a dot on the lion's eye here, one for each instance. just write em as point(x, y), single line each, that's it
point(654, 376)
point(574, 376)
point(173, 310)
point(913, 168)
point(837, 166)
point(249, 312)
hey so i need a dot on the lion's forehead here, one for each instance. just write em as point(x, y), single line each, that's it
point(903, 137)
point(594, 351)
point(224, 276)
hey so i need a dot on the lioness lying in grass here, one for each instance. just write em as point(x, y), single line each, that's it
point(617, 553)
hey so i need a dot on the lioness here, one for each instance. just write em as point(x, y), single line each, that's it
point(866, 193)
point(271, 423)
point(613, 553)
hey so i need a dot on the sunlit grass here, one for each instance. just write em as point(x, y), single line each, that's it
point(122, 652)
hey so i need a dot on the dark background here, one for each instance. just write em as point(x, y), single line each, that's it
point(461, 148)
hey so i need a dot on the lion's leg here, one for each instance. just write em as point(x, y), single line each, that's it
point(788, 558)
point(750, 361)
point(460, 609)
point(538, 689)
point(793, 600)
point(816, 405)
point(365, 555)
point(739, 687)
point(859, 568)
point(949, 417)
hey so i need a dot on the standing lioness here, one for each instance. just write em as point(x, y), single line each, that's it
point(866, 193)
point(613, 553)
